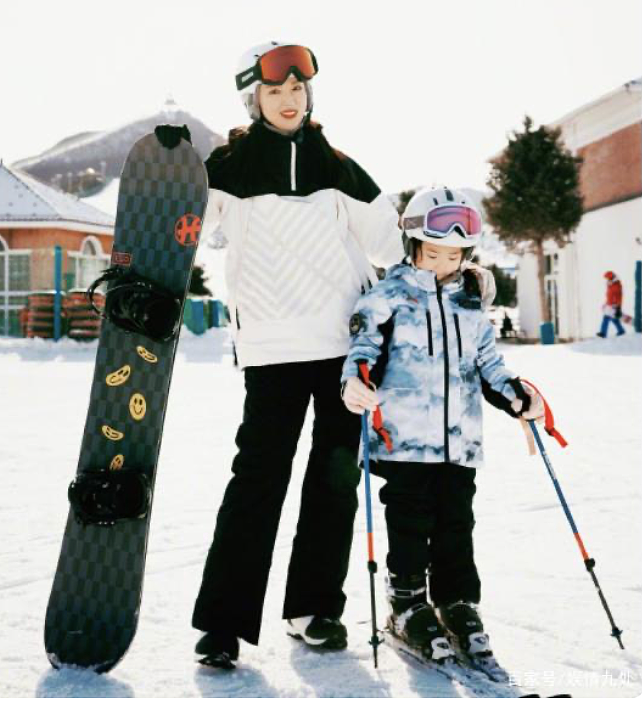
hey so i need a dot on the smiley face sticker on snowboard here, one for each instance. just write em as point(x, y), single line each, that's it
point(137, 407)
point(119, 377)
point(112, 434)
point(117, 463)
point(146, 355)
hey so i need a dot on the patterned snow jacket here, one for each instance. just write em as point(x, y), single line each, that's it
point(303, 223)
point(439, 346)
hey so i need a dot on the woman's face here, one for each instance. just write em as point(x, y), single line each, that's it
point(441, 260)
point(284, 106)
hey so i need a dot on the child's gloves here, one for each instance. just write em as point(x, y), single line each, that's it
point(170, 135)
point(357, 397)
point(529, 404)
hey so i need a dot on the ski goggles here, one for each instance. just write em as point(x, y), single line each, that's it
point(440, 221)
point(274, 67)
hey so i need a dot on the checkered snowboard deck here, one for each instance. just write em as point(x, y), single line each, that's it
point(93, 608)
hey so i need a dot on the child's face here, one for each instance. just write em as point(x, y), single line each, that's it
point(442, 260)
point(284, 106)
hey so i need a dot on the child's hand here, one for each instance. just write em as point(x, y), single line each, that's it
point(357, 397)
point(534, 410)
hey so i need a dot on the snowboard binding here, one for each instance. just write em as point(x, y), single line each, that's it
point(104, 498)
point(136, 304)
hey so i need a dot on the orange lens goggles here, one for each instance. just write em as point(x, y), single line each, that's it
point(274, 67)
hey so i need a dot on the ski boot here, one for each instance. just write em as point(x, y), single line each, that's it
point(466, 632)
point(413, 622)
point(220, 650)
point(319, 632)
point(106, 497)
point(138, 305)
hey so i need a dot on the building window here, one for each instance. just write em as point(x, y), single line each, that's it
point(14, 287)
point(90, 262)
point(3, 265)
point(19, 265)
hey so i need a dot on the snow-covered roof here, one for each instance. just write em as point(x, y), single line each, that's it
point(25, 201)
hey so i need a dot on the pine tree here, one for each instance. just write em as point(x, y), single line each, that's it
point(506, 287)
point(197, 282)
point(536, 195)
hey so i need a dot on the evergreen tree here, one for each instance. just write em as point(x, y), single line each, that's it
point(506, 287)
point(536, 196)
point(197, 282)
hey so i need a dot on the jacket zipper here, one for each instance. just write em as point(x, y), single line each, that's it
point(293, 166)
point(446, 374)
point(430, 349)
point(457, 329)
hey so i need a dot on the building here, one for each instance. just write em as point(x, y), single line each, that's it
point(34, 219)
point(607, 134)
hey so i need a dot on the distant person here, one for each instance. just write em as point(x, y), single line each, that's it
point(613, 306)
point(507, 327)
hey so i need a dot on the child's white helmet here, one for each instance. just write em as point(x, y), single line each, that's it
point(249, 74)
point(444, 217)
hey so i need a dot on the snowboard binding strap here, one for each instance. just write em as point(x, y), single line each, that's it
point(137, 304)
point(105, 498)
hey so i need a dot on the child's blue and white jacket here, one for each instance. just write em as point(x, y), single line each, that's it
point(439, 343)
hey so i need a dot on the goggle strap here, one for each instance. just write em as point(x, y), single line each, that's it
point(414, 222)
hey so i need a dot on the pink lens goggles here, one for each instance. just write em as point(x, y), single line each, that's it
point(440, 221)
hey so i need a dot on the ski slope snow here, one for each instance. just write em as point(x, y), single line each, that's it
point(541, 609)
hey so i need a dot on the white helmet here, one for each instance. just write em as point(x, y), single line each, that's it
point(248, 79)
point(444, 217)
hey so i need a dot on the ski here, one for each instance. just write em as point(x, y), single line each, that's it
point(457, 670)
point(453, 669)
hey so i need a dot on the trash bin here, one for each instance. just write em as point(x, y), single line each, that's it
point(194, 316)
point(217, 314)
point(547, 333)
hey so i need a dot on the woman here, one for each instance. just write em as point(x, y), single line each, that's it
point(303, 221)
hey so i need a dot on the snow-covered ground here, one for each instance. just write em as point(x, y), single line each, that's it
point(540, 607)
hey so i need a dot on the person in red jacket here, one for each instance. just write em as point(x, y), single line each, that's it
point(613, 307)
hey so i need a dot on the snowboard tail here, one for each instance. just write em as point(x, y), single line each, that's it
point(94, 605)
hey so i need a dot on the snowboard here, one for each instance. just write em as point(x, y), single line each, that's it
point(95, 600)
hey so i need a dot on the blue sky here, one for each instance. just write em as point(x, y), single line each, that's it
point(417, 92)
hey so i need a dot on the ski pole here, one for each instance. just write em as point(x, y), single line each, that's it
point(372, 564)
point(375, 641)
point(589, 562)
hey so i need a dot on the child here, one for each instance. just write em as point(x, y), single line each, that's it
point(427, 318)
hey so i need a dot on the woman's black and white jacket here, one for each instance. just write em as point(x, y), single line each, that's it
point(302, 235)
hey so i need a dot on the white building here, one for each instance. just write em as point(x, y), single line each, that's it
point(607, 134)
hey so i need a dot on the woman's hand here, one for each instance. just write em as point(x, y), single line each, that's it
point(357, 397)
